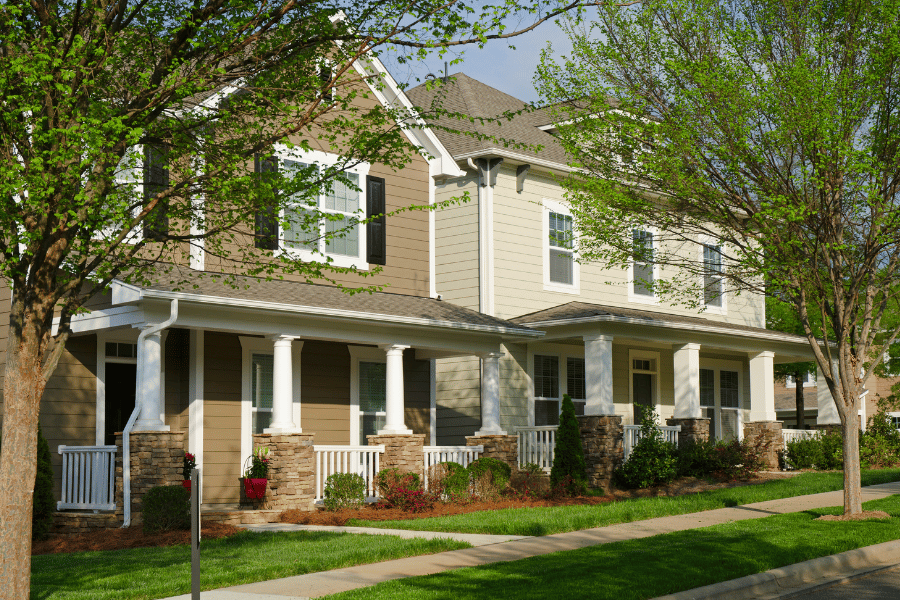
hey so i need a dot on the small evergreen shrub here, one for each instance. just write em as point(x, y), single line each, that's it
point(499, 470)
point(568, 456)
point(166, 508)
point(652, 460)
point(804, 453)
point(832, 451)
point(344, 490)
point(450, 480)
point(696, 458)
point(44, 504)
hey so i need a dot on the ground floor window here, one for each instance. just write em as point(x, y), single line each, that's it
point(261, 382)
point(720, 402)
point(372, 398)
point(548, 388)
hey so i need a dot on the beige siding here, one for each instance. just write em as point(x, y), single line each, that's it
point(514, 388)
point(221, 418)
point(177, 392)
point(325, 391)
point(458, 399)
point(456, 244)
point(417, 394)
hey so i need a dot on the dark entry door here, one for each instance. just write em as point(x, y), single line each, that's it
point(642, 390)
point(120, 382)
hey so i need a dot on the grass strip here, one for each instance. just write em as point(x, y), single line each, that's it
point(558, 519)
point(651, 567)
point(147, 573)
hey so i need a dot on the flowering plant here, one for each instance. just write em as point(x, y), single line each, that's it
point(188, 464)
point(259, 464)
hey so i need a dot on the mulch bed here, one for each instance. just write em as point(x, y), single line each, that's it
point(131, 537)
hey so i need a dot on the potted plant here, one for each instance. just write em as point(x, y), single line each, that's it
point(188, 463)
point(256, 473)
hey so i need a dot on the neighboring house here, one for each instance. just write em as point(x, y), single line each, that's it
point(276, 356)
point(609, 342)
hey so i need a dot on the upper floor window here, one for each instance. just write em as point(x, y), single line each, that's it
point(713, 285)
point(642, 267)
point(156, 180)
point(560, 266)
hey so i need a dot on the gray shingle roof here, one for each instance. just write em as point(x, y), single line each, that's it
point(470, 97)
point(208, 285)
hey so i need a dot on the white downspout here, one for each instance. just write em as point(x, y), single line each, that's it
point(126, 433)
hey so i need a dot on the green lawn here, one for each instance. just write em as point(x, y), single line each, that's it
point(146, 573)
point(548, 520)
point(651, 567)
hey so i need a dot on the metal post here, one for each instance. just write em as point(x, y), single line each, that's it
point(195, 534)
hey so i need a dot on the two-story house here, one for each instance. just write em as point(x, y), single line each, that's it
point(609, 342)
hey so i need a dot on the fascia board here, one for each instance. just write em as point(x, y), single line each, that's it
point(547, 164)
point(506, 332)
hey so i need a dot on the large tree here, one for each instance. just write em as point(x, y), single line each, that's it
point(766, 130)
point(129, 131)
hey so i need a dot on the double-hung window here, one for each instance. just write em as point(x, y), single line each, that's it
point(720, 402)
point(642, 268)
point(156, 181)
point(713, 284)
point(575, 383)
point(561, 254)
point(547, 387)
point(261, 392)
point(708, 400)
point(372, 398)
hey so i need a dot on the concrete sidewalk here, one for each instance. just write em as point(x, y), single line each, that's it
point(314, 585)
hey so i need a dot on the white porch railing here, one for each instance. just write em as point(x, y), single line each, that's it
point(536, 445)
point(464, 455)
point(362, 460)
point(88, 478)
point(633, 434)
point(793, 435)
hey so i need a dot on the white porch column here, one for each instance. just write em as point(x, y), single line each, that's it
point(150, 393)
point(598, 375)
point(828, 412)
point(282, 388)
point(687, 381)
point(394, 423)
point(490, 394)
point(762, 387)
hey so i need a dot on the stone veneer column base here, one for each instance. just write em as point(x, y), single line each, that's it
point(767, 436)
point(501, 447)
point(402, 452)
point(157, 458)
point(603, 442)
point(292, 477)
point(692, 430)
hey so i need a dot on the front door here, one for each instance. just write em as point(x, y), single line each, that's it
point(120, 383)
point(642, 393)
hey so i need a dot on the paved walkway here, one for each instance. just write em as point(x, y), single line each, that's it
point(492, 549)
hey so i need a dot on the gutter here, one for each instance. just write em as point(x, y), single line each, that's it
point(126, 433)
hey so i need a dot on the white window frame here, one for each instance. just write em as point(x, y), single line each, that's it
point(711, 308)
point(552, 206)
point(260, 345)
point(562, 353)
point(808, 381)
point(360, 354)
point(652, 356)
point(717, 366)
point(640, 298)
point(324, 160)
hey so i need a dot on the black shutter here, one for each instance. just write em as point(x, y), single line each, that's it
point(266, 227)
point(156, 180)
point(376, 238)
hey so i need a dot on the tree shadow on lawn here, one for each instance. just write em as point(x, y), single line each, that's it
point(639, 569)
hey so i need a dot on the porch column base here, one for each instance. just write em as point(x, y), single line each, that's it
point(602, 438)
point(766, 435)
point(692, 430)
point(157, 458)
point(500, 446)
point(402, 452)
point(292, 470)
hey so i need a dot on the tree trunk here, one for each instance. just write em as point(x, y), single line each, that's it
point(799, 402)
point(23, 387)
point(852, 478)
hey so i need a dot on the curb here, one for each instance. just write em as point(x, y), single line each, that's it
point(826, 570)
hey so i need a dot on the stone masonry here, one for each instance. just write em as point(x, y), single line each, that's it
point(692, 430)
point(767, 436)
point(501, 447)
point(292, 476)
point(157, 458)
point(403, 452)
point(602, 438)
point(75, 523)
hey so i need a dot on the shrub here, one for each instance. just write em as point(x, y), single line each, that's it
point(652, 460)
point(403, 491)
point(879, 445)
point(696, 458)
point(568, 456)
point(344, 490)
point(737, 459)
point(44, 504)
point(166, 508)
point(450, 481)
point(804, 453)
point(499, 470)
point(832, 451)
point(529, 482)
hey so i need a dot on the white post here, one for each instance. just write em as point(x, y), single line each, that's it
point(686, 361)
point(762, 387)
point(490, 394)
point(598, 375)
point(828, 412)
point(149, 396)
point(394, 420)
point(282, 388)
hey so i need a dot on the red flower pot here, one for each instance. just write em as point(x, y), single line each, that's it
point(186, 484)
point(255, 488)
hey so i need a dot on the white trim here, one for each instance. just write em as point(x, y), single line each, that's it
point(432, 386)
point(548, 207)
point(634, 353)
point(640, 298)
point(515, 156)
point(703, 241)
point(196, 396)
point(357, 354)
point(808, 381)
point(100, 396)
